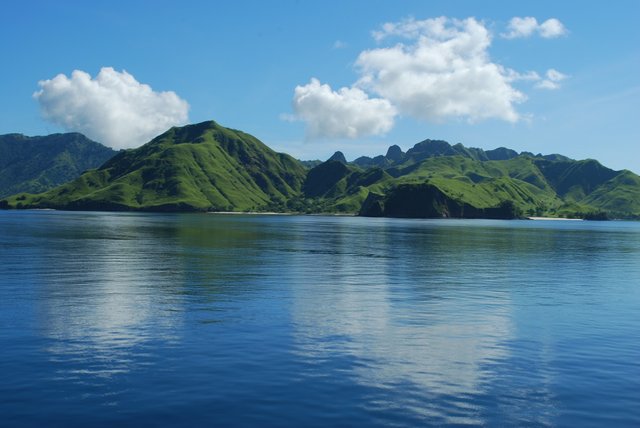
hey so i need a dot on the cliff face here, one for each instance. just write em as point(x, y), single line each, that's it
point(427, 201)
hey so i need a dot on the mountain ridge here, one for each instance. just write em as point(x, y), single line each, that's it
point(36, 164)
point(207, 167)
point(192, 168)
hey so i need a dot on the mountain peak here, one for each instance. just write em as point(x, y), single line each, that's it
point(431, 148)
point(338, 156)
point(394, 153)
point(203, 166)
point(501, 153)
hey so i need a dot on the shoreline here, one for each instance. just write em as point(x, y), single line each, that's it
point(247, 213)
point(555, 218)
point(278, 213)
point(274, 213)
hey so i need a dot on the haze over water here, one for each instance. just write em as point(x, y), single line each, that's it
point(152, 319)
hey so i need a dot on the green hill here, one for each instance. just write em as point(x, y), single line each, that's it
point(435, 179)
point(618, 196)
point(192, 168)
point(37, 164)
point(206, 167)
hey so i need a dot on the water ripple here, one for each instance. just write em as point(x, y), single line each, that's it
point(150, 319)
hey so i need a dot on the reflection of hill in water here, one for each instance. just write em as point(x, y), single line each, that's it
point(127, 284)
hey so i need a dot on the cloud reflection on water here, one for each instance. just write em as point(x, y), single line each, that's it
point(405, 321)
point(102, 300)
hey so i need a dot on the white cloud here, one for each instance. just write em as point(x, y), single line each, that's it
point(521, 27)
point(346, 113)
point(114, 108)
point(552, 81)
point(552, 28)
point(444, 72)
point(527, 26)
point(514, 76)
point(436, 69)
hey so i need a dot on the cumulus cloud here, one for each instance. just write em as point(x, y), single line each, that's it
point(444, 72)
point(345, 113)
point(112, 108)
point(527, 26)
point(552, 28)
point(434, 70)
point(552, 80)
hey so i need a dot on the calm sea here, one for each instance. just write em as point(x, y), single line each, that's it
point(238, 320)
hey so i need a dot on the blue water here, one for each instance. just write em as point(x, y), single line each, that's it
point(232, 320)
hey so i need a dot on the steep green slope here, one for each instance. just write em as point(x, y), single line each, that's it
point(37, 164)
point(480, 185)
point(325, 177)
point(425, 200)
point(618, 196)
point(573, 180)
point(467, 174)
point(209, 167)
point(435, 179)
point(334, 186)
point(196, 167)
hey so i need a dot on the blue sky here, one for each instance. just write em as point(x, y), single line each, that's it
point(240, 63)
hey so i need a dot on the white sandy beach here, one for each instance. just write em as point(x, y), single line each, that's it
point(555, 218)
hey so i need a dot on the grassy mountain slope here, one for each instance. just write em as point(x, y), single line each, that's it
point(619, 196)
point(337, 187)
point(37, 164)
point(573, 180)
point(209, 167)
point(466, 181)
point(196, 167)
point(473, 183)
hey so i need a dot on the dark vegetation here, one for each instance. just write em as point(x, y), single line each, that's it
point(37, 164)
